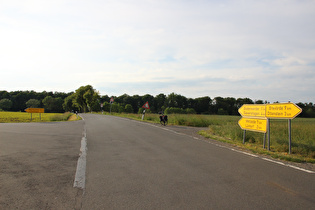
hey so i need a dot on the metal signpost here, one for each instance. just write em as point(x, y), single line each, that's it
point(145, 106)
point(283, 111)
point(35, 110)
point(102, 107)
point(111, 101)
point(256, 117)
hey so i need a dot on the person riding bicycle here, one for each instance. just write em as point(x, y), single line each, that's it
point(163, 118)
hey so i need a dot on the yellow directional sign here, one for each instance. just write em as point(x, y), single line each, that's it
point(35, 110)
point(283, 110)
point(253, 124)
point(253, 110)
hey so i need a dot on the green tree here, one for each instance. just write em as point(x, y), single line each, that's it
point(86, 97)
point(176, 100)
point(5, 104)
point(202, 105)
point(53, 104)
point(159, 102)
point(33, 103)
point(68, 104)
point(128, 108)
point(48, 103)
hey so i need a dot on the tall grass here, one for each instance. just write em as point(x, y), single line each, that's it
point(61, 117)
point(17, 117)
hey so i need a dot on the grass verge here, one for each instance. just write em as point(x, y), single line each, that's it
point(22, 117)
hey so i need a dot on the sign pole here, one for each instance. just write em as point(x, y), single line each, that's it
point(268, 128)
point(289, 124)
point(255, 118)
point(244, 136)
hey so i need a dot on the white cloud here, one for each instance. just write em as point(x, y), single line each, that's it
point(226, 48)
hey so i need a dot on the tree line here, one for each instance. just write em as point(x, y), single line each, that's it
point(87, 99)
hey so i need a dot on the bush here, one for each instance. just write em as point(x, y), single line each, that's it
point(62, 117)
point(174, 110)
point(190, 111)
point(128, 108)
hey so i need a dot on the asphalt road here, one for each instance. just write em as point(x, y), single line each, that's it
point(37, 165)
point(136, 165)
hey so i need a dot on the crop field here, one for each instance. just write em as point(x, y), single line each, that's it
point(17, 117)
point(226, 129)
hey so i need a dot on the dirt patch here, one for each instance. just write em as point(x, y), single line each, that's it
point(74, 117)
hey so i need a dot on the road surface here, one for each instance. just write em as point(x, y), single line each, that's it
point(38, 163)
point(134, 165)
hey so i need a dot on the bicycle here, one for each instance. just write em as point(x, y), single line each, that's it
point(163, 119)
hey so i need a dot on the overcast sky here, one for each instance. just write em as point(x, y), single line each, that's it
point(257, 49)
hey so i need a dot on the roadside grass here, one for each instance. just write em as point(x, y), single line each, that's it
point(226, 129)
point(19, 117)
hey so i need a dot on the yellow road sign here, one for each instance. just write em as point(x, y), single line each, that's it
point(253, 124)
point(253, 110)
point(35, 110)
point(283, 110)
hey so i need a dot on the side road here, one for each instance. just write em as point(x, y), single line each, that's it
point(37, 165)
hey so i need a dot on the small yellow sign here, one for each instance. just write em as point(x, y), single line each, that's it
point(253, 110)
point(253, 124)
point(283, 110)
point(35, 110)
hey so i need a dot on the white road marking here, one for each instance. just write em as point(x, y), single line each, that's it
point(79, 180)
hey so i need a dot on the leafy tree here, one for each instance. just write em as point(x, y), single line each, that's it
point(58, 105)
point(4, 94)
point(116, 107)
point(190, 111)
point(259, 102)
point(159, 101)
point(48, 103)
point(148, 98)
point(68, 104)
point(221, 111)
point(240, 101)
point(53, 104)
point(19, 100)
point(33, 103)
point(128, 108)
point(174, 110)
point(176, 100)
point(85, 97)
point(202, 104)
point(106, 106)
point(5, 104)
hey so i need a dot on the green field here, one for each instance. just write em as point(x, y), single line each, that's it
point(225, 128)
point(17, 117)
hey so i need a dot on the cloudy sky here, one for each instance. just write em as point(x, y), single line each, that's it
point(257, 49)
